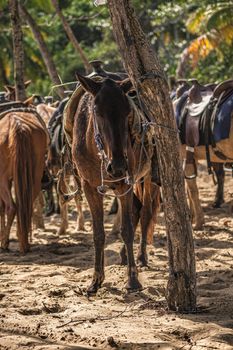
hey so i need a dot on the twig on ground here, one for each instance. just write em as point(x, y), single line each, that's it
point(98, 318)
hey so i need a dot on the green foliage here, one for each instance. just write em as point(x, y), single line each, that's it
point(170, 26)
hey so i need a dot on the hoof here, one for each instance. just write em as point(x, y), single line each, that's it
point(40, 227)
point(133, 285)
point(61, 231)
point(5, 245)
point(142, 260)
point(4, 249)
point(80, 228)
point(25, 250)
point(217, 204)
point(115, 232)
point(92, 290)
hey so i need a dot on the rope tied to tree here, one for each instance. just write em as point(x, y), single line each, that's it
point(152, 75)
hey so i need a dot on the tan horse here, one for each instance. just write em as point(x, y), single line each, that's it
point(23, 145)
point(225, 147)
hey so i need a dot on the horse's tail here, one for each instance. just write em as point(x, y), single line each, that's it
point(152, 204)
point(20, 145)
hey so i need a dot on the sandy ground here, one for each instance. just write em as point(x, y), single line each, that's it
point(43, 304)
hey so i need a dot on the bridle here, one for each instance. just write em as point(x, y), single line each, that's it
point(102, 189)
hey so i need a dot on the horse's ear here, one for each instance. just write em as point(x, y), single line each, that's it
point(126, 85)
point(88, 84)
point(26, 83)
point(29, 101)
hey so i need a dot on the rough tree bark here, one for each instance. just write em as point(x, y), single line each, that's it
point(72, 37)
point(17, 36)
point(149, 79)
point(48, 60)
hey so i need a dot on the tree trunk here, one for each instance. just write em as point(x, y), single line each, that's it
point(18, 52)
point(48, 60)
point(72, 37)
point(149, 80)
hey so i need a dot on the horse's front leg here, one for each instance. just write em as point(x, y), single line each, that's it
point(2, 222)
point(95, 201)
point(127, 233)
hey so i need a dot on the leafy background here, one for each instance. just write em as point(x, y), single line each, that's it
point(195, 36)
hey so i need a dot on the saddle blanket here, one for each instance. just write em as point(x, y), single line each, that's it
point(222, 124)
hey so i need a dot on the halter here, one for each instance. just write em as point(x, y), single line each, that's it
point(102, 189)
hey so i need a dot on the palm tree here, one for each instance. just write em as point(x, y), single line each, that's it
point(18, 51)
point(71, 36)
point(218, 20)
point(50, 65)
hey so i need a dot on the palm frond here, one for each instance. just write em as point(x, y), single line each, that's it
point(195, 21)
point(220, 18)
point(201, 47)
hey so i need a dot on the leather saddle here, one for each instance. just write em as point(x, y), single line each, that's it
point(8, 106)
point(198, 99)
point(201, 109)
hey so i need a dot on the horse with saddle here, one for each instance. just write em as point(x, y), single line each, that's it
point(204, 114)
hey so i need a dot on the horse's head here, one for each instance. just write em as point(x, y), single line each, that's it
point(110, 111)
point(11, 91)
point(183, 86)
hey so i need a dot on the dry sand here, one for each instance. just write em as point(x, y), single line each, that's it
point(43, 304)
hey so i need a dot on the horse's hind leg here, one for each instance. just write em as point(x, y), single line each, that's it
point(149, 209)
point(38, 219)
point(220, 174)
point(10, 218)
point(195, 202)
point(9, 209)
point(80, 218)
point(95, 202)
point(64, 216)
point(137, 205)
point(50, 203)
point(127, 233)
point(116, 228)
point(61, 189)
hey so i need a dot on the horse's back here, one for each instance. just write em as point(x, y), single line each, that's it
point(45, 112)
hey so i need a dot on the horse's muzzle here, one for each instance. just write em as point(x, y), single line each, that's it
point(117, 168)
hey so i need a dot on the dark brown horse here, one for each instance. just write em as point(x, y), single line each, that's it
point(23, 145)
point(108, 155)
